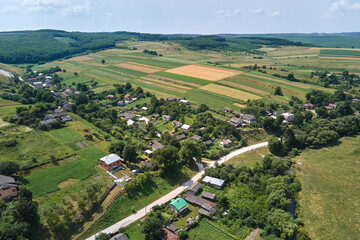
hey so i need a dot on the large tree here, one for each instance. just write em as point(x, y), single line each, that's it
point(189, 152)
point(129, 153)
point(167, 157)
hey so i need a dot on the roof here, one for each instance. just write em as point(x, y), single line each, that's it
point(47, 122)
point(178, 203)
point(204, 212)
point(196, 137)
point(6, 182)
point(185, 127)
point(119, 236)
point(195, 187)
point(111, 158)
point(214, 181)
point(148, 151)
point(172, 228)
point(208, 195)
point(168, 235)
point(180, 137)
point(191, 198)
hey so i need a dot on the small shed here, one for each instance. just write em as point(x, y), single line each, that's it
point(208, 195)
point(194, 188)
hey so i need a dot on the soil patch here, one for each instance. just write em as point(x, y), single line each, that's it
point(82, 144)
point(68, 183)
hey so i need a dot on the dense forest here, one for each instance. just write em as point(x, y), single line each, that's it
point(48, 45)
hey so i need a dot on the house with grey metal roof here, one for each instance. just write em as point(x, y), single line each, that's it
point(213, 182)
point(194, 188)
point(8, 188)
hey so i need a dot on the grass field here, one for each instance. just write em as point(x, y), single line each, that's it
point(47, 180)
point(248, 159)
point(68, 136)
point(329, 200)
point(205, 231)
point(340, 52)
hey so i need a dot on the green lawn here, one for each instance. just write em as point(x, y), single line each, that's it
point(68, 136)
point(329, 201)
point(46, 180)
point(205, 231)
point(33, 144)
point(133, 231)
point(248, 159)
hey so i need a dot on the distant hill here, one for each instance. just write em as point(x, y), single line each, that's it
point(48, 45)
point(340, 40)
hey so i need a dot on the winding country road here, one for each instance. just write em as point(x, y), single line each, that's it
point(142, 212)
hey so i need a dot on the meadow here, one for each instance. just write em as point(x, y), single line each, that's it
point(330, 196)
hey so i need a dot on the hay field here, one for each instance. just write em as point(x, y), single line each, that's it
point(329, 200)
point(175, 89)
point(230, 92)
point(204, 72)
point(137, 67)
point(166, 83)
point(175, 81)
point(246, 88)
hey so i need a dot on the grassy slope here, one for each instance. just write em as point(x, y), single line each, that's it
point(330, 196)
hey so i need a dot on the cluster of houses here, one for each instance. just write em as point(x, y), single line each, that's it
point(57, 114)
point(239, 118)
point(127, 99)
point(174, 99)
point(41, 81)
point(8, 188)
point(64, 92)
point(205, 202)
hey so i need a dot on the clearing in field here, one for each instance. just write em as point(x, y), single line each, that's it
point(329, 200)
point(81, 59)
point(68, 183)
point(341, 58)
point(176, 89)
point(240, 105)
point(147, 66)
point(230, 92)
point(138, 68)
point(204, 72)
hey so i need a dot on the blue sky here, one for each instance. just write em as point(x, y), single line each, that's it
point(182, 16)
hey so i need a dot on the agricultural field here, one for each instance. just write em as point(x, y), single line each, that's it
point(329, 198)
point(183, 73)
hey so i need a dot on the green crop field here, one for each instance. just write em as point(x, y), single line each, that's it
point(339, 52)
point(47, 180)
point(330, 196)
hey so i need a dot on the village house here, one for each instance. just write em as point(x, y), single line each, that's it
point(155, 117)
point(121, 103)
point(8, 188)
point(146, 139)
point(237, 122)
point(131, 122)
point(208, 195)
point(288, 116)
point(127, 115)
point(127, 97)
point(186, 127)
point(110, 161)
point(168, 235)
point(148, 164)
point(148, 153)
point(172, 228)
point(47, 122)
point(119, 236)
point(176, 123)
point(194, 188)
point(208, 142)
point(228, 110)
point(249, 119)
point(144, 108)
point(166, 117)
point(173, 99)
point(156, 145)
point(277, 112)
point(196, 138)
point(110, 96)
point(213, 182)
point(225, 143)
point(184, 101)
point(309, 106)
point(37, 85)
point(207, 208)
point(178, 205)
point(180, 137)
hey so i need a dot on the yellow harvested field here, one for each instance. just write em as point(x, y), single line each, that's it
point(239, 65)
point(246, 88)
point(132, 56)
point(296, 84)
point(346, 49)
point(230, 92)
point(163, 86)
point(80, 59)
point(137, 68)
point(158, 94)
point(166, 83)
point(204, 72)
point(175, 81)
point(240, 105)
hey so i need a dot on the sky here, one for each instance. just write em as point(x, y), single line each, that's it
point(182, 16)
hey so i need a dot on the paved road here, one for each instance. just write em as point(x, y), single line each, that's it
point(142, 212)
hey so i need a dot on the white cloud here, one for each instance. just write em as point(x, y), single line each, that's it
point(227, 13)
point(355, 6)
point(109, 14)
point(275, 14)
point(337, 5)
point(10, 9)
point(257, 11)
point(77, 9)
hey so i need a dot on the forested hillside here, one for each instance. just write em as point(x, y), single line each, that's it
point(48, 45)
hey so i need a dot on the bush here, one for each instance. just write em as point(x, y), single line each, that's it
point(9, 168)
